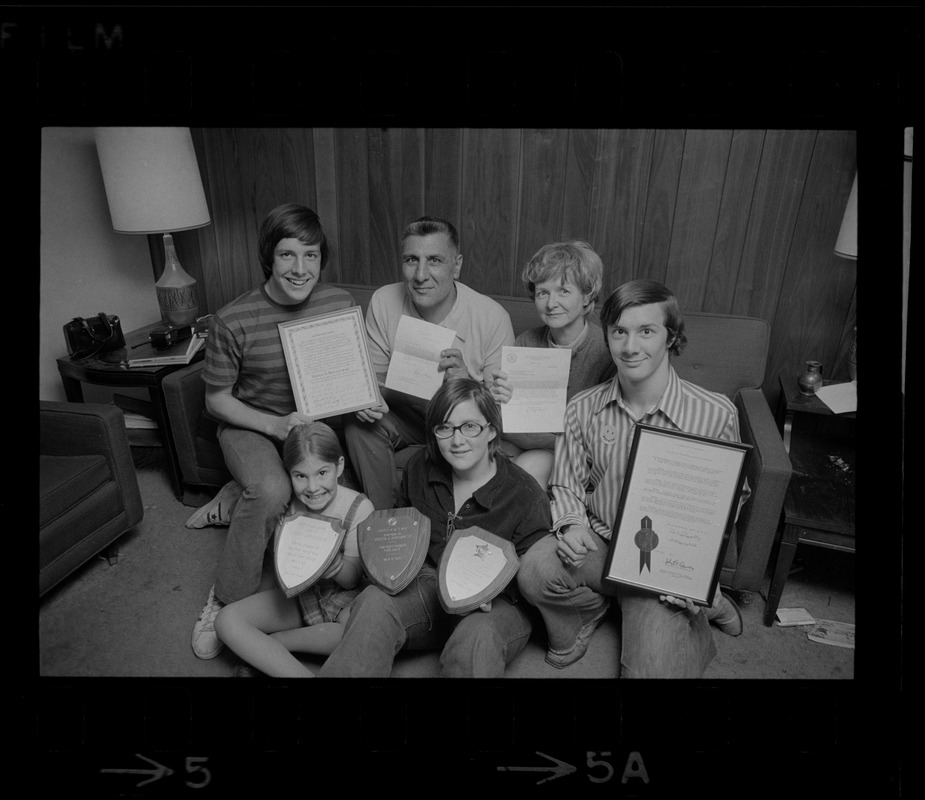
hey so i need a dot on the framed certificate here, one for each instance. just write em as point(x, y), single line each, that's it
point(676, 513)
point(329, 365)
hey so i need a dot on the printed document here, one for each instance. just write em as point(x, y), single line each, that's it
point(413, 365)
point(539, 377)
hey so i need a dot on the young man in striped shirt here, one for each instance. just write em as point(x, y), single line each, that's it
point(248, 390)
point(561, 575)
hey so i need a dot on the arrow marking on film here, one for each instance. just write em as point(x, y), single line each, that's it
point(559, 769)
point(159, 771)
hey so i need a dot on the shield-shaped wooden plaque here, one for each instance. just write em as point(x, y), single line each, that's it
point(475, 567)
point(393, 544)
point(304, 546)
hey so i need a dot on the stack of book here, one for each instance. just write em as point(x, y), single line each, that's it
point(181, 353)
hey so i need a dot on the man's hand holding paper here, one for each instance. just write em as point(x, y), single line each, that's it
point(452, 364)
point(414, 367)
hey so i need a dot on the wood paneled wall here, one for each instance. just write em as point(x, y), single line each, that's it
point(733, 221)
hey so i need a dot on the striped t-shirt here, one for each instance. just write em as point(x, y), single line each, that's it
point(244, 349)
point(593, 451)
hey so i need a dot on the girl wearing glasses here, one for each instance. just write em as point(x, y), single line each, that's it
point(460, 480)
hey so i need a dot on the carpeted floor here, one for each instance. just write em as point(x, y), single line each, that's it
point(134, 618)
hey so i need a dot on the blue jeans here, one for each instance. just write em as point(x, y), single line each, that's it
point(657, 640)
point(255, 462)
point(371, 448)
point(477, 645)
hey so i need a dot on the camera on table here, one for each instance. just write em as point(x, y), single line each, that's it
point(167, 337)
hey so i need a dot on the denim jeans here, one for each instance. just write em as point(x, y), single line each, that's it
point(255, 462)
point(476, 645)
point(657, 639)
point(371, 448)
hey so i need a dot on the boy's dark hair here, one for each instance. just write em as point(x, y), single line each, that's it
point(642, 292)
point(289, 221)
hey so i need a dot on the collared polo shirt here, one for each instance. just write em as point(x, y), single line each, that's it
point(593, 451)
point(481, 324)
point(511, 505)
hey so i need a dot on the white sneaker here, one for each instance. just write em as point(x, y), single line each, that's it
point(219, 509)
point(205, 642)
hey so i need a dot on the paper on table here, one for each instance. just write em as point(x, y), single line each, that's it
point(415, 356)
point(840, 397)
point(539, 376)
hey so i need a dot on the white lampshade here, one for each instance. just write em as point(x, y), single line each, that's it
point(847, 244)
point(152, 179)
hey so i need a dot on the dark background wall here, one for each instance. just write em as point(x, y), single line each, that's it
point(734, 221)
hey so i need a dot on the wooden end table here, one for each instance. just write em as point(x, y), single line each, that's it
point(110, 369)
point(819, 505)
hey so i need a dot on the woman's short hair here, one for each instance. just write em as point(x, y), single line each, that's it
point(289, 221)
point(643, 292)
point(425, 226)
point(574, 261)
point(313, 438)
point(451, 393)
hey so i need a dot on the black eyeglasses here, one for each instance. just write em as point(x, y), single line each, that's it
point(469, 429)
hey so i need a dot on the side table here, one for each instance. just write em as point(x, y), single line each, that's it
point(792, 401)
point(819, 505)
point(110, 369)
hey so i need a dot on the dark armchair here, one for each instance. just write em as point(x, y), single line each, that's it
point(88, 491)
point(728, 354)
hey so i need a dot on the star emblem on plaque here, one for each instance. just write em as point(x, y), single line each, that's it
point(646, 541)
point(475, 567)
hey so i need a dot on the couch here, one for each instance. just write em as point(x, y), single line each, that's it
point(88, 491)
point(726, 354)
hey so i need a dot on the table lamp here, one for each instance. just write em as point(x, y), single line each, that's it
point(846, 246)
point(153, 185)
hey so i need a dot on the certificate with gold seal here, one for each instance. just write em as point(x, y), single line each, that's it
point(329, 363)
point(677, 509)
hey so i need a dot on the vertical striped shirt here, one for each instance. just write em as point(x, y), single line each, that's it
point(244, 349)
point(593, 450)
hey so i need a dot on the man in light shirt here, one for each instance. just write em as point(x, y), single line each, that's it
point(661, 636)
point(430, 290)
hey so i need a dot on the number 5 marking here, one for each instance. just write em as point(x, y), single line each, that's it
point(594, 762)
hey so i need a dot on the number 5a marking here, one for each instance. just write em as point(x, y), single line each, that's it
point(192, 766)
point(595, 762)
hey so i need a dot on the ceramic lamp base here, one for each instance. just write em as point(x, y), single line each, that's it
point(179, 304)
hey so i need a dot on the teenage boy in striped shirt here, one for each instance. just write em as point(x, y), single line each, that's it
point(249, 391)
point(661, 636)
